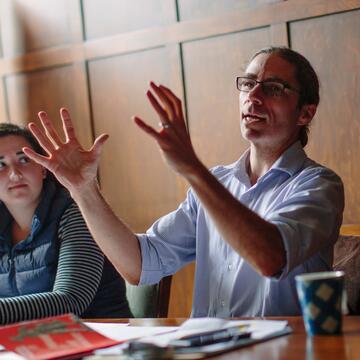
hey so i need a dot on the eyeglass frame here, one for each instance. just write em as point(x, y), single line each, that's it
point(284, 86)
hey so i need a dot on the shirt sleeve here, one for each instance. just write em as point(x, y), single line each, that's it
point(77, 279)
point(170, 243)
point(309, 218)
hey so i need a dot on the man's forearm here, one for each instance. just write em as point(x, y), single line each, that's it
point(256, 240)
point(114, 238)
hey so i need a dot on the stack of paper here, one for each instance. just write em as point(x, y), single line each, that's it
point(164, 336)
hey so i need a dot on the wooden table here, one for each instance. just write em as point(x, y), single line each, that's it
point(294, 346)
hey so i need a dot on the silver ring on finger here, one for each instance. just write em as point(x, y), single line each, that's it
point(165, 125)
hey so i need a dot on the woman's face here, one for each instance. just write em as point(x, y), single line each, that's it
point(21, 179)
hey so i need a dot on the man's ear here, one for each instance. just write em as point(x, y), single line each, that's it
point(307, 113)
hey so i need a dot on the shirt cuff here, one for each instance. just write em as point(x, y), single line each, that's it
point(285, 233)
point(150, 271)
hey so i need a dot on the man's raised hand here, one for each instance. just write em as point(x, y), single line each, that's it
point(173, 138)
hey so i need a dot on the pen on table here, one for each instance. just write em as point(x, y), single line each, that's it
point(213, 337)
point(142, 350)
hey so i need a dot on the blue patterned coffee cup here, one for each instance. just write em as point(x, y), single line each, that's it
point(320, 296)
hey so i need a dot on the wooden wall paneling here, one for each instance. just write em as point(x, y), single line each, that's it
point(237, 20)
point(110, 17)
point(190, 9)
point(332, 44)
point(176, 84)
point(279, 34)
point(182, 284)
point(138, 185)
point(32, 25)
point(181, 295)
point(38, 60)
point(3, 106)
point(260, 16)
point(80, 106)
point(3, 102)
point(1, 36)
point(49, 90)
point(211, 66)
point(76, 21)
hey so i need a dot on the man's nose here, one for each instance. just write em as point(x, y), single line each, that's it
point(15, 174)
point(256, 94)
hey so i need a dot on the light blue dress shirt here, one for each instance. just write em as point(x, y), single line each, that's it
point(302, 198)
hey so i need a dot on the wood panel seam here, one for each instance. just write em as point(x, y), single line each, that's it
point(176, 33)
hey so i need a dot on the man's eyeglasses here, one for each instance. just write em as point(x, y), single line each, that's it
point(269, 87)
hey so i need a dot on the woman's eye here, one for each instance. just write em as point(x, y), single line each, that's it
point(2, 165)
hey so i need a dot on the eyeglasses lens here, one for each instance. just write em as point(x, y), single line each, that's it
point(270, 88)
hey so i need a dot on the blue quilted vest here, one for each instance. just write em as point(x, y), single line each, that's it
point(30, 266)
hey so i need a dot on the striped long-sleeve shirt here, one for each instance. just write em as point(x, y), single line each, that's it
point(77, 279)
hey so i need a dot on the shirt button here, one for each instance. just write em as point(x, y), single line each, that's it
point(222, 303)
point(230, 267)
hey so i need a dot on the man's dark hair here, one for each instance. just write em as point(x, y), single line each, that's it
point(7, 129)
point(305, 76)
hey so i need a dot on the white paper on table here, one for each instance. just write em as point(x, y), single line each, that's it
point(123, 332)
point(259, 329)
point(161, 336)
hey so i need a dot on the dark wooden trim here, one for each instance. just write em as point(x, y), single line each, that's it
point(164, 297)
point(77, 21)
point(350, 229)
point(279, 34)
point(270, 14)
point(4, 114)
point(170, 10)
point(42, 59)
point(83, 94)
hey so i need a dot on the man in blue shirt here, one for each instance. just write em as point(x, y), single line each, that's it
point(250, 226)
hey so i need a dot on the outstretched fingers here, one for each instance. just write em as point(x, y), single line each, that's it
point(39, 159)
point(68, 126)
point(161, 112)
point(97, 147)
point(45, 142)
point(170, 111)
point(49, 129)
point(176, 102)
point(148, 129)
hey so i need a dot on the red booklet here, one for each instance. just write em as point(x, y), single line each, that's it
point(62, 336)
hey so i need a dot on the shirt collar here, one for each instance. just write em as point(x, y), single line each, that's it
point(240, 169)
point(290, 161)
